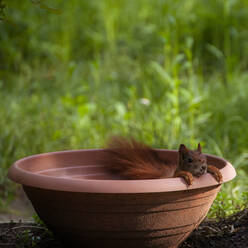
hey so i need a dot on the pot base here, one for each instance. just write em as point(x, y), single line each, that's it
point(122, 220)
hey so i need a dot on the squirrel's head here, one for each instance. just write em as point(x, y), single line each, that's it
point(192, 161)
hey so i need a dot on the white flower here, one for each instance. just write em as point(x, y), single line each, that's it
point(144, 101)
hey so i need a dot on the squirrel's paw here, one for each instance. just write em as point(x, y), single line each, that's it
point(216, 173)
point(189, 179)
point(187, 176)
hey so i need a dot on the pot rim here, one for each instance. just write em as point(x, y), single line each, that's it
point(22, 176)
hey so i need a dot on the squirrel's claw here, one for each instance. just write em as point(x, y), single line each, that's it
point(216, 173)
point(187, 176)
point(189, 179)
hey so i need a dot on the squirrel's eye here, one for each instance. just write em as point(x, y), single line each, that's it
point(190, 160)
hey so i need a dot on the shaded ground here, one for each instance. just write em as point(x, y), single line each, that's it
point(19, 209)
point(26, 235)
point(231, 232)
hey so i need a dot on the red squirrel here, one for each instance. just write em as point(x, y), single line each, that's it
point(134, 160)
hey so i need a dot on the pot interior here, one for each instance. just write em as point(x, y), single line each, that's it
point(87, 165)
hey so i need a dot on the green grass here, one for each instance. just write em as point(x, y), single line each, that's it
point(166, 72)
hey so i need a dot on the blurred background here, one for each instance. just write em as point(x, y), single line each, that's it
point(72, 73)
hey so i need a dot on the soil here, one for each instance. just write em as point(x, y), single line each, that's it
point(225, 233)
point(230, 232)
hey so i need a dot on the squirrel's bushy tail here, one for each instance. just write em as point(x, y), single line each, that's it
point(133, 160)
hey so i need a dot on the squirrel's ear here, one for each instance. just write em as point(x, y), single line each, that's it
point(182, 150)
point(199, 148)
point(182, 147)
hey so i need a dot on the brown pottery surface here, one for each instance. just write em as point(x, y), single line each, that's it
point(85, 206)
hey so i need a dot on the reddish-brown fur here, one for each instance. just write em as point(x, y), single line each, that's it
point(134, 160)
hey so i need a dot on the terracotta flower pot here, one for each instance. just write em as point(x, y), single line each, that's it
point(86, 206)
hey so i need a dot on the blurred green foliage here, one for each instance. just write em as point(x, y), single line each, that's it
point(166, 72)
point(2, 7)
